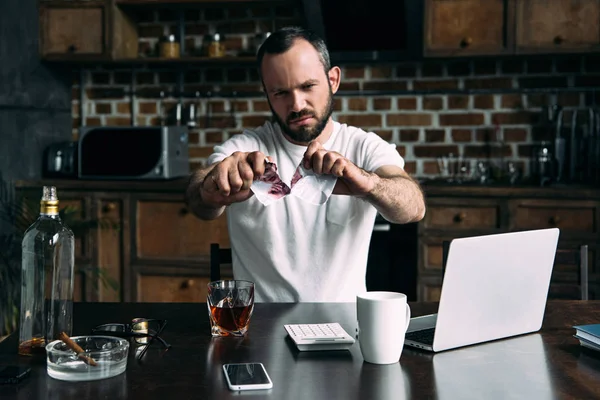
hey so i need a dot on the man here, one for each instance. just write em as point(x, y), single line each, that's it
point(293, 250)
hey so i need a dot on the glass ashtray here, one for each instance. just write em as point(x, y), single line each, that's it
point(108, 353)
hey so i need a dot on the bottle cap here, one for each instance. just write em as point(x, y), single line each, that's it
point(49, 193)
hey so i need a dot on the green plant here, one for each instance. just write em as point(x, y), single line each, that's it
point(16, 215)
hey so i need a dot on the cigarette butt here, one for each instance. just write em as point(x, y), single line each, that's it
point(77, 349)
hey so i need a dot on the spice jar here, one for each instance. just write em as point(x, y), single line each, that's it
point(216, 47)
point(169, 47)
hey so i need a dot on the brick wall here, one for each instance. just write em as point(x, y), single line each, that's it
point(424, 126)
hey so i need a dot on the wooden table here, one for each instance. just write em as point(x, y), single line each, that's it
point(545, 365)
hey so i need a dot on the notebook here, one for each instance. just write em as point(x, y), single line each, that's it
point(495, 286)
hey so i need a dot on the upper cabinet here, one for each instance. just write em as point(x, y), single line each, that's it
point(73, 31)
point(455, 28)
point(85, 30)
point(106, 30)
point(465, 27)
point(557, 26)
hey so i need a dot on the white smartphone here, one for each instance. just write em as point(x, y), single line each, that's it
point(247, 376)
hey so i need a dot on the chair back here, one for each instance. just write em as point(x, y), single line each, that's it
point(218, 257)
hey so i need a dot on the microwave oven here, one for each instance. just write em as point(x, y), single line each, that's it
point(133, 153)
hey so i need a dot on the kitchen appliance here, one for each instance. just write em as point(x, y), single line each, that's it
point(132, 153)
point(368, 30)
point(60, 160)
point(393, 258)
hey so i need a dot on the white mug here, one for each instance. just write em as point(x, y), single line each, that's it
point(383, 319)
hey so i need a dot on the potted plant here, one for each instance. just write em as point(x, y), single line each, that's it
point(16, 215)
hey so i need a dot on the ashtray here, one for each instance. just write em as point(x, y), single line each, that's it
point(102, 357)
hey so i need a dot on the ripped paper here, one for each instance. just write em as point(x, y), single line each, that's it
point(305, 184)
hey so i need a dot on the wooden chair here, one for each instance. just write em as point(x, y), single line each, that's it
point(218, 257)
point(560, 288)
point(566, 284)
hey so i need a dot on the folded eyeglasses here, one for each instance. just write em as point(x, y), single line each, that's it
point(143, 331)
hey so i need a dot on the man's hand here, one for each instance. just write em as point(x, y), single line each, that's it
point(353, 180)
point(229, 181)
point(390, 189)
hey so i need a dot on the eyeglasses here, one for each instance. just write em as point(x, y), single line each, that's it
point(140, 330)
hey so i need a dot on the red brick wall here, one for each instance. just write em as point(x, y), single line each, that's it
point(423, 126)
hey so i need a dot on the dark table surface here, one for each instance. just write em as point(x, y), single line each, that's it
point(549, 364)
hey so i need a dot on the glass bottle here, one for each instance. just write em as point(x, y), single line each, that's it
point(47, 279)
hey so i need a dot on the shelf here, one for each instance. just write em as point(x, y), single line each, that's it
point(245, 60)
point(167, 3)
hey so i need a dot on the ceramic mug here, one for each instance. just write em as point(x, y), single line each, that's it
point(383, 319)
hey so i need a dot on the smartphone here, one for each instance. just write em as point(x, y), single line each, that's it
point(247, 376)
point(13, 374)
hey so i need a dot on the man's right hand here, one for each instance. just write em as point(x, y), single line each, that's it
point(229, 181)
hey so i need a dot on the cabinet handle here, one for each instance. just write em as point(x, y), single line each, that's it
point(555, 220)
point(460, 217)
point(559, 39)
point(466, 42)
point(187, 283)
point(108, 207)
point(184, 211)
point(72, 48)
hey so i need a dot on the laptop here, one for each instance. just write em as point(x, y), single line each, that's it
point(495, 286)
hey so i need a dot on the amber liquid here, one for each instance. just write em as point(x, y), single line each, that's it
point(33, 347)
point(231, 318)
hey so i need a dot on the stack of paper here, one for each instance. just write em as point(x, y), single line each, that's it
point(588, 335)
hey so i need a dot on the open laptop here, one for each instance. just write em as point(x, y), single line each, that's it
point(495, 286)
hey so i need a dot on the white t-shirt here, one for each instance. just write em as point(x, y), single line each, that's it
point(295, 251)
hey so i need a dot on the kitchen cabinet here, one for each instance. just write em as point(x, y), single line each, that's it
point(557, 26)
point(462, 211)
point(161, 252)
point(88, 31)
point(187, 2)
point(466, 27)
point(455, 28)
point(85, 30)
point(73, 31)
point(147, 242)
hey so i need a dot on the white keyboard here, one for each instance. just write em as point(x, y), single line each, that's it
point(313, 337)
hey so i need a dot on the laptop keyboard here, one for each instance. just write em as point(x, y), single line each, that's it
point(423, 336)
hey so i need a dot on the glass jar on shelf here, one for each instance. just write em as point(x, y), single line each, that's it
point(216, 46)
point(169, 46)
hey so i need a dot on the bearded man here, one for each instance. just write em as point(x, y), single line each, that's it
point(295, 251)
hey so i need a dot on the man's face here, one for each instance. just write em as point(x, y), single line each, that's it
point(299, 91)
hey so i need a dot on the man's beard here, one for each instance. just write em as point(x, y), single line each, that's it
point(304, 134)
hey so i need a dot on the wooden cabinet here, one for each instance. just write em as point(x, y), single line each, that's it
point(556, 26)
point(141, 237)
point(85, 30)
point(456, 211)
point(466, 27)
point(161, 288)
point(462, 214)
point(73, 30)
point(454, 28)
point(157, 251)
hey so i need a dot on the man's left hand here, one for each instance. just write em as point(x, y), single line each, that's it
point(352, 179)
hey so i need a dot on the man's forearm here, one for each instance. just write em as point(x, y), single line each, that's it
point(398, 199)
point(194, 199)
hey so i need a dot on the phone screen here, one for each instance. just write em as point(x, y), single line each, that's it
point(251, 374)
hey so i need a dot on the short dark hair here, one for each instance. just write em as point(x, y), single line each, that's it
point(280, 41)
